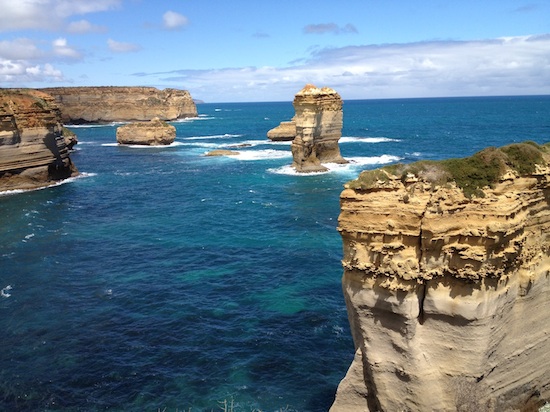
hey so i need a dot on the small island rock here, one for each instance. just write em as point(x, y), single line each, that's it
point(153, 133)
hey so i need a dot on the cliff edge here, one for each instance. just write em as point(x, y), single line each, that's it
point(33, 150)
point(121, 104)
point(447, 284)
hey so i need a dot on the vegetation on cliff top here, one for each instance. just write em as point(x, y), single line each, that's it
point(471, 174)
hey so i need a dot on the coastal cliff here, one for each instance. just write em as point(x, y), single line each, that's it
point(121, 104)
point(33, 150)
point(314, 130)
point(447, 284)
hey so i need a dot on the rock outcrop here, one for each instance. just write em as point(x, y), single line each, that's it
point(121, 104)
point(153, 133)
point(447, 284)
point(315, 129)
point(33, 151)
point(285, 132)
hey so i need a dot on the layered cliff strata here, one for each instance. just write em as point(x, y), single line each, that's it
point(447, 284)
point(121, 104)
point(315, 129)
point(33, 150)
point(153, 133)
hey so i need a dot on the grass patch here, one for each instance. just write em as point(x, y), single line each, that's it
point(471, 174)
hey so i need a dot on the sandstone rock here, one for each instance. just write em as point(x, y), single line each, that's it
point(153, 133)
point(222, 152)
point(319, 121)
point(315, 129)
point(33, 152)
point(121, 104)
point(447, 289)
point(285, 132)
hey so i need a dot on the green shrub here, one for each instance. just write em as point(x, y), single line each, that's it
point(471, 174)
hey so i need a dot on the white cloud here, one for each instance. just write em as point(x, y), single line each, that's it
point(121, 47)
point(514, 65)
point(62, 49)
point(46, 14)
point(84, 26)
point(174, 21)
point(21, 73)
point(329, 28)
point(19, 49)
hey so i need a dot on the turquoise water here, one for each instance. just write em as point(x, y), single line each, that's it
point(162, 278)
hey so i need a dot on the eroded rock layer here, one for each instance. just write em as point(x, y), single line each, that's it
point(315, 129)
point(153, 133)
point(319, 120)
point(121, 104)
point(33, 150)
point(447, 293)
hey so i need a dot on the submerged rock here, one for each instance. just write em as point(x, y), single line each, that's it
point(152, 133)
point(222, 152)
point(447, 284)
point(33, 151)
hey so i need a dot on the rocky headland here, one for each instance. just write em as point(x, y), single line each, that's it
point(121, 104)
point(314, 130)
point(33, 148)
point(152, 133)
point(447, 284)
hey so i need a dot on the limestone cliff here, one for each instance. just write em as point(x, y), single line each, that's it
point(121, 104)
point(315, 129)
point(152, 133)
point(33, 150)
point(447, 284)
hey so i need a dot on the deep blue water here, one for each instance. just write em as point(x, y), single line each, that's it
point(166, 280)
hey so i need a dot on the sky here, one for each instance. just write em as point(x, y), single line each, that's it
point(266, 50)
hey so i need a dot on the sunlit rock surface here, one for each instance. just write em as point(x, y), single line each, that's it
point(447, 294)
point(121, 104)
point(33, 150)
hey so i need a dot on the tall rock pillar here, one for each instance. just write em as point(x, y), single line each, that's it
point(319, 120)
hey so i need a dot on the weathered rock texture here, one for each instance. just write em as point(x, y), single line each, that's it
point(153, 133)
point(285, 132)
point(315, 129)
point(121, 104)
point(33, 151)
point(447, 293)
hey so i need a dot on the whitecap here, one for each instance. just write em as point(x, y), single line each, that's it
point(61, 182)
point(192, 119)
point(354, 163)
point(215, 136)
point(143, 146)
point(357, 139)
point(5, 291)
point(266, 154)
point(373, 160)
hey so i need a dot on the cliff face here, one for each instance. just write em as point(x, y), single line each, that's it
point(447, 291)
point(121, 104)
point(152, 133)
point(33, 151)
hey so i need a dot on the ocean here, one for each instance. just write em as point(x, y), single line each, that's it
point(164, 280)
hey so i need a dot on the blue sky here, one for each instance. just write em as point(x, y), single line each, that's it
point(252, 50)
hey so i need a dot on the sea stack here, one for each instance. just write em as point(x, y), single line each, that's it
point(121, 104)
point(33, 150)
point(447, 284)
point(153, 133)
point(315, 129)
